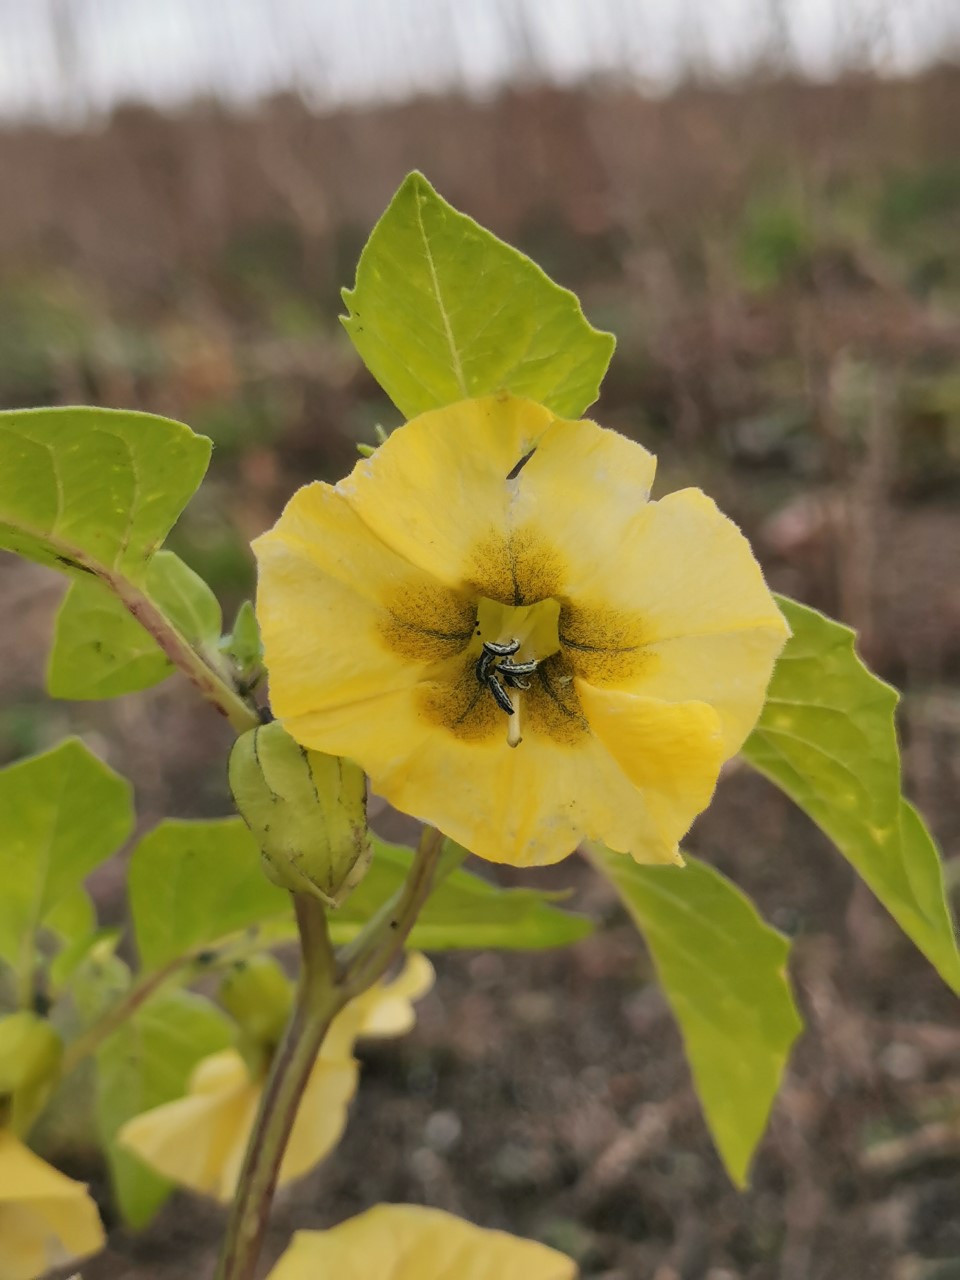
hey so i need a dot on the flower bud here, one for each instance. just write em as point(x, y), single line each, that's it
point(258, 994)
point(243, 645)
point(30, 1053)
point(307, 810)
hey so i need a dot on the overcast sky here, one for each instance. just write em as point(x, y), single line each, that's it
point(61, 57)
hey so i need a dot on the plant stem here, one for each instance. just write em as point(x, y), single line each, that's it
point(327, 983)
point(232, 947)
point(317, 1002)
point(212, 685)
point(370, 954)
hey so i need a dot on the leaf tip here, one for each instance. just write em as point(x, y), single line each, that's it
point(418, 182)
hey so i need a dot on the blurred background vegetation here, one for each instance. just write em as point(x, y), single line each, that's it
point(778, 255)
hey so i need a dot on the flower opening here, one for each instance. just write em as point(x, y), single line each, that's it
point(495, 577)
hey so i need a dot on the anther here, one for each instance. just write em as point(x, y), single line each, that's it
point(518, 668)
point(502, 650)
point(495, 669)
point(500, 695)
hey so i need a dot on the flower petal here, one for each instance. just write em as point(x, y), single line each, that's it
point(27, 1246)
point(386, 1009)
point(46, 1218)
point(410, 1242)
point(671, 751)
point(528, 807)
point(438, 488)
point(388, 1006)
point(730, 672)
point(705, 623)
point(683, 565)
point(582, 485)
point(198, 1141)
point(321, 1118)
point(343, 616)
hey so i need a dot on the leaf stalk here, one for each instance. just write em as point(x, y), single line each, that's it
point(214, 688)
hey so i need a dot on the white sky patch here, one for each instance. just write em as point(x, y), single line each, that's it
point(63, 58)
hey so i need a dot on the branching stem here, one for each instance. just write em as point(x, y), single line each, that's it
point(327, 983)
point(372, 952)
point(317, 1002)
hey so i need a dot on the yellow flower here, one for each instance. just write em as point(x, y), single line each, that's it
point(409, 1242)
point(386, 1010)
point(199, 1141)
point(496, 577)
point(46, 1219)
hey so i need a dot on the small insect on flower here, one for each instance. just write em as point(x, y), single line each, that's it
point(496, 577)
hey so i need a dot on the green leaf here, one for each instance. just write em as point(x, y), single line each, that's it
point(101, 651)
point(462, 912)
point(186, 599)
point(442, 311)
point(146, 1063)
point(72, 917)
point(109, 975)
point(99, 978)
point(73, 924)
point(722, 970)
point(195, 884)
point(64, 812)
point(827, 737)
point(192, 884)
point(94, 490)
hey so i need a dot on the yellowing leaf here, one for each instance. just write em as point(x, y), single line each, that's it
point(410, 1242)
point(827, 737)
point(442, 310)
point(722, 970)
point(198, 1140)
point(46, 1219)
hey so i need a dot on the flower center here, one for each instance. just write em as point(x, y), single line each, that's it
point(514, 641)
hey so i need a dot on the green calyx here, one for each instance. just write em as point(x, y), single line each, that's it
point(307, 810)
point(30, 1055)
point(259, 995)
point(243, 646)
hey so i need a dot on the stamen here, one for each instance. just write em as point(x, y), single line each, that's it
point(500, 695)
point(510, 668)
point(514, 737)
point(502, 650)
point(504, 678)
